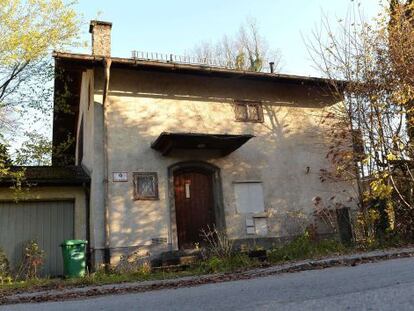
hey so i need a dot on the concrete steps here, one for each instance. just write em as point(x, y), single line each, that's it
point(176, 258)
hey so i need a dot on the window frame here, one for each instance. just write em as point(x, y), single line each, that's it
point(136, 176)
point(246, 104)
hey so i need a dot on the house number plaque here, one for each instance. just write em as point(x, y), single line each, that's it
point(120, 176)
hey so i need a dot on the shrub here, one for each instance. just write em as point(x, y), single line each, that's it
point(4, 268)
point(32, 262)
point(218, 243)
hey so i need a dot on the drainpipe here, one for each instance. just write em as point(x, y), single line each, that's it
point(86, 189)
point(107, 67)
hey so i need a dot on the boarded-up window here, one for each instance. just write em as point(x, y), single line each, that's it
point(247, 111)
point(145, 186)
point(249, 197)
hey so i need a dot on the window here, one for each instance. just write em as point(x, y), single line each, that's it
point(249, 197)
point(145, 186)
point(247, 111)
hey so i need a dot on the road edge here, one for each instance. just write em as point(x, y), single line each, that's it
point(136, 287)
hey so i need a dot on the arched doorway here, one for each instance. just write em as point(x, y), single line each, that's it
point(196, 202)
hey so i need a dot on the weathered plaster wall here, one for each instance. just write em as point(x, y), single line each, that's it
point(56, 193)
point(90, 113)
point(143, 104)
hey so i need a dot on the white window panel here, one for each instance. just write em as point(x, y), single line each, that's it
point(250, 230)
point(249, 197)
point(249, 222)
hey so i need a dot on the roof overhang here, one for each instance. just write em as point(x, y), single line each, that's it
point(223, 143)
point(70, 175)
point(196, 69)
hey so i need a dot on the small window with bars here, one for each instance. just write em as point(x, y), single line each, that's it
point(247, 111)
point(145, 186)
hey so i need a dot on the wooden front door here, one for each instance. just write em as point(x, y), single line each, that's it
point(194, 206)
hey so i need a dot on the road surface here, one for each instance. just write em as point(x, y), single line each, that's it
point(387, 285)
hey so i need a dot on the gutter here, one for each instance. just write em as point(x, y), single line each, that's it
point(107, 247)
point(195, 68)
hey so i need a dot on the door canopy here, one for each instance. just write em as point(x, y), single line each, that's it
point(224, 143)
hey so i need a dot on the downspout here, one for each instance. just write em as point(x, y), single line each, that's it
point(86, 189)
point(107, 67)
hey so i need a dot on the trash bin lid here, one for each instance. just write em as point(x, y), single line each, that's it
point(73, 242)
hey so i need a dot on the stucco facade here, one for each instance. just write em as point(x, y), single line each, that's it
point(286, 154)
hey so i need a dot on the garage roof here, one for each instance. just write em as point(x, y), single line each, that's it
point(49, 176)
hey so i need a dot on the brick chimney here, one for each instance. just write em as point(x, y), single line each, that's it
point(101, 38)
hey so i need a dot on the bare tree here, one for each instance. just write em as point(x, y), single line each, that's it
point(246, 50)
point(373, 63)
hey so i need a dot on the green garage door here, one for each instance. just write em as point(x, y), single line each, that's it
point(48, 223)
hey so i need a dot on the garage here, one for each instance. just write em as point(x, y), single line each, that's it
point(47, 223)
point(52, 208)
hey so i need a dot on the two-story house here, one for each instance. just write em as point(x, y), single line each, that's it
point(174, 148)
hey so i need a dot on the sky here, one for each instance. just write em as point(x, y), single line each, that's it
point(176, 26)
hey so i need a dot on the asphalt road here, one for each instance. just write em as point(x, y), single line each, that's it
point(387, 285)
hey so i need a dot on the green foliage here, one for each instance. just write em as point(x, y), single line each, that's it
point(30, 30)
point(59, 151)
point(6, 171)
point(304, 247)
point(4, 268)
point(226, 264)
point(35, 150)
point(5, 160)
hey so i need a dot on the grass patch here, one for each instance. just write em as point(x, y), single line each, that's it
point(98, 278)
point(231, 263)
point(303, 247)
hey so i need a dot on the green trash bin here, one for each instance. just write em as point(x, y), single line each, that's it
point(74, 258)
